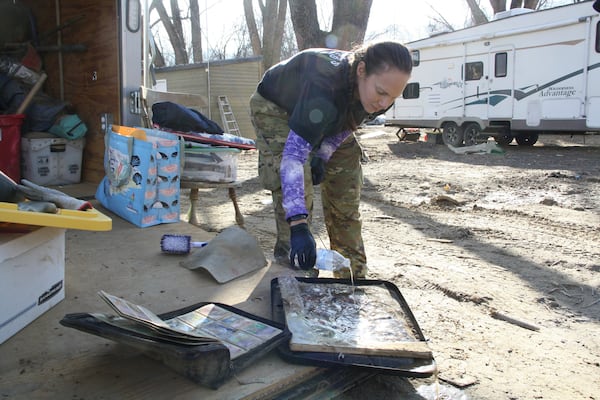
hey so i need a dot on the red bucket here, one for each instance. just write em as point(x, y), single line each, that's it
point(10, 145)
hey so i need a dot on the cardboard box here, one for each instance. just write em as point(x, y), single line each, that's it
point(32, 273)
point(210, 164)
point(50, 160)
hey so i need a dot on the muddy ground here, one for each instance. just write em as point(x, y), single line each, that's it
point(468, 239)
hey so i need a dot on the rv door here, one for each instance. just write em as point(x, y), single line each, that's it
point(475, 90)
point(500, 83)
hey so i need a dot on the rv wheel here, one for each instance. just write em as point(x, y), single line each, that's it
point(452, 134)
point(504, 138)
point(471, 133)
point(527, 139)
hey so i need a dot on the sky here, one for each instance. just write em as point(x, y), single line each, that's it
point(409, 19)
point(413, 17)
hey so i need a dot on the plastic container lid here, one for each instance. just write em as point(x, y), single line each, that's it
point(210, 149)
point(89, 220)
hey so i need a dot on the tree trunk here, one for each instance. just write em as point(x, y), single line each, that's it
point(350, 18)
point(532, 4)
point(157, 58)
point(273, 11)
point(178, 28)
point(498, 6)
point(279, 29)
point(349, 24)
point(176, 18)
point(476, 12)
point(516, 4)
point(178, 46)
point(306, 24)
point(196, 31)
point(252, 29)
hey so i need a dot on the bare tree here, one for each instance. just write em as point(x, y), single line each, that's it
point(155, 51)
point(532, 4)
point(273, 13)
point(196, 32)
point(500, 5)
point(237, 36)
point(176, 20)
point(175, 35)
point(350, 19)
point(172, 21)
point(349, 23)
point(306, 24)
point(289, 46)
point(173, 26)
point(477, 14)
point(439, 23)
point(497, 6)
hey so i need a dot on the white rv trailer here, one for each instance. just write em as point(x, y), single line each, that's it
point(521, 74)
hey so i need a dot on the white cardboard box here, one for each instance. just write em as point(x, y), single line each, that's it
point(32, 273)
point(49, 160)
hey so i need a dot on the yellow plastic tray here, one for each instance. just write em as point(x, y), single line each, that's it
point(89, 220)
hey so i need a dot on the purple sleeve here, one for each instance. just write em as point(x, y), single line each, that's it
point(330, 144)
point(295, 154)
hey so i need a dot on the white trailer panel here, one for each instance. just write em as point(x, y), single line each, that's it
point(521, 75)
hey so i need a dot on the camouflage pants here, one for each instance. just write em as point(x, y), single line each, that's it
point(340, 190)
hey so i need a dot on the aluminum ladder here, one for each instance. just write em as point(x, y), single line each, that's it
point(229, 122)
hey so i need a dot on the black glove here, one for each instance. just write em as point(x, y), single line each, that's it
point(303, 246)
point(317, 170)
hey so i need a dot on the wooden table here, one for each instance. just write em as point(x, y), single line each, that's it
point(195, 185)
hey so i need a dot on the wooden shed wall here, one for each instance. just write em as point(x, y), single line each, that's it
point(91, 78)
point(236, 79)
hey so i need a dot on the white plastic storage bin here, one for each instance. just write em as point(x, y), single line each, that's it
point(32, 273)
point(210, 164)
point(50, 160)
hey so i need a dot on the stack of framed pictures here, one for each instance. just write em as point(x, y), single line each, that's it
point(206, 342)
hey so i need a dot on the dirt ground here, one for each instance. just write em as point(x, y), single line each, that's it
point(469, 239)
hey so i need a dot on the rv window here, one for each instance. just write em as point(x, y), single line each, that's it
point(598, 37)
point(411, 91)
point(474, 71)
point(500, 65)
point(416, 57)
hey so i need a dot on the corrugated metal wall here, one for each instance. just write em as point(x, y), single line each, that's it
point(236, 79)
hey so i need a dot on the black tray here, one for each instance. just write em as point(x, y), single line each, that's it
point(209, 365)
point(401, 366)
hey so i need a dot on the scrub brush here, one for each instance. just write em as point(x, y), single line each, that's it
point(178, 244)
